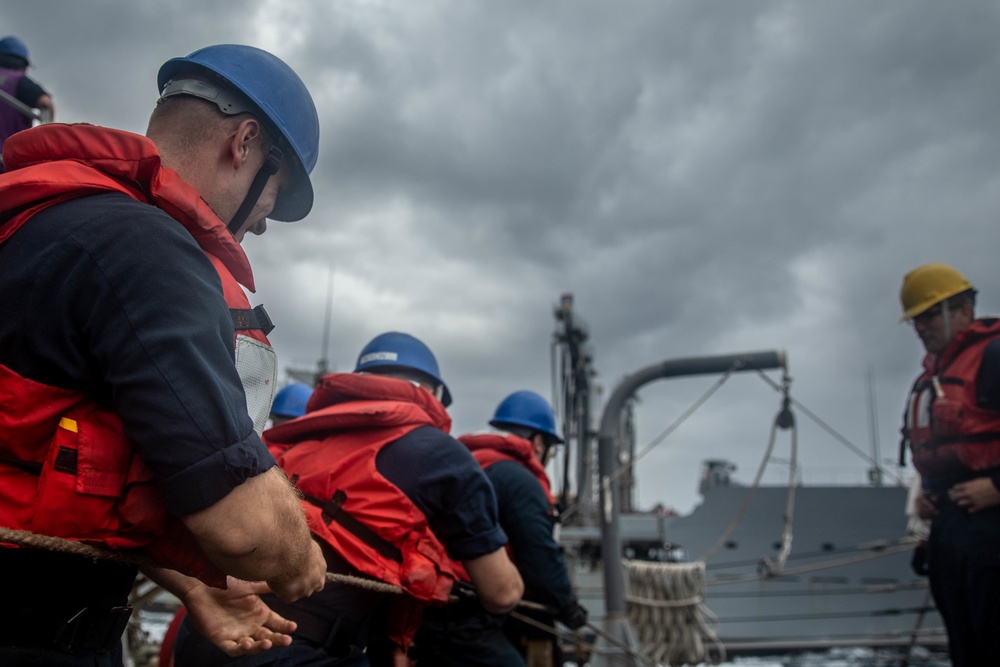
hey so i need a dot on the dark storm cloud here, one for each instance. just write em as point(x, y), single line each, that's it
point(706, 177)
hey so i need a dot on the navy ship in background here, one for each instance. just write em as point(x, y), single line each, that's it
point(781, 568)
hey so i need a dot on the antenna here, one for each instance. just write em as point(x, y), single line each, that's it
point(323, 364)
point(875, 472)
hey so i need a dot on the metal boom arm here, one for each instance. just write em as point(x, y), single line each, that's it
point(608, 436)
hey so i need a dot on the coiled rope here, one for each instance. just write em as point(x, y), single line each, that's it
point(666, 607)
point(666, 601)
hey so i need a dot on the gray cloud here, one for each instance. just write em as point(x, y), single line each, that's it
point(706, 177)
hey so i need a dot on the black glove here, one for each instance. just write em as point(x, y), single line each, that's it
point(573, 615)
point(918, 563)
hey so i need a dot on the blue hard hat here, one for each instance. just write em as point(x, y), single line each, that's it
point(279, 94)
point(291, 400)
point(399, 351)
point(526, 408)
point(12, 46)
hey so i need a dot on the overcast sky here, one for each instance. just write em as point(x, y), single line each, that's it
point(706, 177)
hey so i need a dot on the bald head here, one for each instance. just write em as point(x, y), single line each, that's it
point(183, 126)
point(216, 153)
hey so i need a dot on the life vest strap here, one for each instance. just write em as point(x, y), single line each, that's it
point(333, 510)
point(27, 466)
point(938, 440)
point(249, 319)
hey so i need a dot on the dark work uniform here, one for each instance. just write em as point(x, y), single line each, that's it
point(472, 636)
point(113, 298)
point(527, 518)
point(441, 478)
point(963, 549)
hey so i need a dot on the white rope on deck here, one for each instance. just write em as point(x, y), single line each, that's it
point(666, 607)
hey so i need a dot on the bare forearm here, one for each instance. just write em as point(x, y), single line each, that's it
point(258, 532)
point(171, 580)
point(498, 583)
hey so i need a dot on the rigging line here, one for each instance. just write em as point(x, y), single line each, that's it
point(829, 429)
point(690, 411)
point(670, 429)
point(916, 629)
point(879, 589)
point(579, 642)
point(862, 547)
point(812, 568)
point(714, 549)
point(681, 419)
point(786, 535)
point(899, 611)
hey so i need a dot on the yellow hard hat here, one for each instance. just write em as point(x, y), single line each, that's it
point(928, 285)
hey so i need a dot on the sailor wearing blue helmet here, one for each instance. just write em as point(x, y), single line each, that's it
point(122, 271)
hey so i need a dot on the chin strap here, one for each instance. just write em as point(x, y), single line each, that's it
point(266, 171)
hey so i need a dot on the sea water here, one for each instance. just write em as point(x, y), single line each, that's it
point(847, 657)
point(841, 657)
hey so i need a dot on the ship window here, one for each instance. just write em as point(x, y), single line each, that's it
point(828, 580)
point(731, 544)
point(827, 546)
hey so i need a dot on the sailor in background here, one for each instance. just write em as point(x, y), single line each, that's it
point(290, 402)
point(22, 88)
point(390, 496)
point(952, 427)
point(514, 459)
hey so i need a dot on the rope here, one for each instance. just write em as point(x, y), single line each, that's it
point(877, 545)
point(786, 534)
point(581, 643)
point(916, 630)
point(666, 607)
point(26, 538)
point(714, 549)
point(903, 547)
point(31, 540)
point(364, 582)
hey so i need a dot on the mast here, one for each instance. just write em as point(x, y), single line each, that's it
point(307, 375)
point(324, 360)
point(572, 388)
point(875, 472)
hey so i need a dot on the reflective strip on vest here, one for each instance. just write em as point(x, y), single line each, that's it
point(257, 365)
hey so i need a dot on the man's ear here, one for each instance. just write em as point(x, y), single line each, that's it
point(242, 141)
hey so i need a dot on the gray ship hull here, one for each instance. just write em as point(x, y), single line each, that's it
point(846, 582)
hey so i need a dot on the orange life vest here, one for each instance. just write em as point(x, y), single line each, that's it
point(947, 432)
point(489, 448)
point(66, 468)
point(329, 453)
